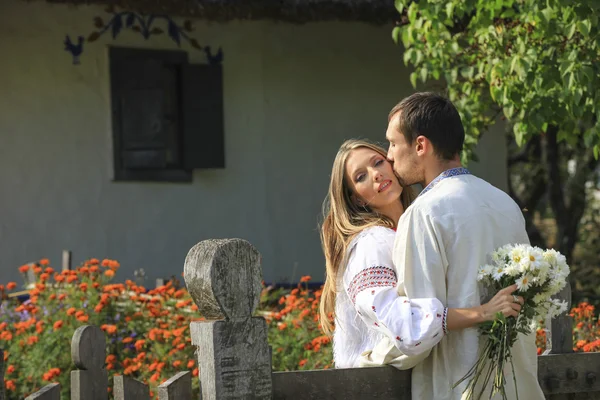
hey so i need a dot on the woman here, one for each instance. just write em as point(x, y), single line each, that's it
point(362, 208)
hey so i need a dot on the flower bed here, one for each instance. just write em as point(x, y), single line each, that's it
point(147, 330)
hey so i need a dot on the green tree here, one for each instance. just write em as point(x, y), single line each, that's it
point(532, 63)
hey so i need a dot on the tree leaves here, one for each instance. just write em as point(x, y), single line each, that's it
point(534, 62)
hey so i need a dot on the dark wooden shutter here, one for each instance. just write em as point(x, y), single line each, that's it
point(202, 105)
point(141, 107)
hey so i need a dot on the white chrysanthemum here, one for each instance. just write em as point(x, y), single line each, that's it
point(556, 285)
point(540, 298)
point(523, 282)
point(550, 256)
point(499, 256)
point(498, 272)
point(533, 259)
point(518, 255)
point(484, 272)
point(556, 307)
point(512, 269)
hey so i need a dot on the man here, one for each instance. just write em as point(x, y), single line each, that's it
point(443, 238)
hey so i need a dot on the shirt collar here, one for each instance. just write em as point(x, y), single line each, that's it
point(446, 174)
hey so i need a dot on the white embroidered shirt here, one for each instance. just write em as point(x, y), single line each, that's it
point(368, 308)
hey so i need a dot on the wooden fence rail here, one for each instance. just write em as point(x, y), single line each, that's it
point(224, 279)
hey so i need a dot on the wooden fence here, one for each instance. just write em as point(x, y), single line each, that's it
point(234, 358)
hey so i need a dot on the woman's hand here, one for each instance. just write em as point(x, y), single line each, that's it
point(505, 302)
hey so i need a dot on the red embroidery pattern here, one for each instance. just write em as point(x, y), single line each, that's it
point(370, 278)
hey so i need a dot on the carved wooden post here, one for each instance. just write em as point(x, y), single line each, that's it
point(88, 350)
point(559, 338)
point(178, 387)
point(48, 392)
point(126, 388)
point(224, 279)
point(66, 260)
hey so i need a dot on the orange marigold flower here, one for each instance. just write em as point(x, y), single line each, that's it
point(10, 369)
point(110, 366)
point(114, 265)
point(59, 278)
point(95, 285)
point(44, 261)
point(11, 285)
point(71, 311)
point(53, 296)
point(57, 325)
point(23, 268)
point(128, 340)
point(83, 286)
point(99, 307)
point(62, 296)
point(195, 372)
point(155, 377)
point(190, 364)
point(37, 270)
point(111, 358)
point(110, 329)
point(83, 318)
point(303, 362)
point(109, 272)
point(32, 340)
point(305, 278)
point(105, 262)
point(49, 270)
point(10, 385)
point(94, 268)
point(71, 278)
point(176, 363)
point(281, 325)
point(44, 277)
point(139, 344)
point(94, 261)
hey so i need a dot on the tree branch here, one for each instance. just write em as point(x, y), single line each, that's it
point(555, 190)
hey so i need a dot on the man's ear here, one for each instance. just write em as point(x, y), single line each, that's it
point(422, 145)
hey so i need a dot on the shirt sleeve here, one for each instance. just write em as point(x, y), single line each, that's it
point(414, 326)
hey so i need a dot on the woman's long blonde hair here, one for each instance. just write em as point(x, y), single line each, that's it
point(342, 220)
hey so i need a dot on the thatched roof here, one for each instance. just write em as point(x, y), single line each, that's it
point(299, 11)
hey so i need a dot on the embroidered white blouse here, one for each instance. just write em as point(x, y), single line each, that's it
point(369, 310)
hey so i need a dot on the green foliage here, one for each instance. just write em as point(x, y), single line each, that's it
point(534, 62)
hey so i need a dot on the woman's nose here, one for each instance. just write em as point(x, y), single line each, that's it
point(378, 176)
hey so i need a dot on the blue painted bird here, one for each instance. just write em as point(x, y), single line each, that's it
point(74, 49)
point(214, 59)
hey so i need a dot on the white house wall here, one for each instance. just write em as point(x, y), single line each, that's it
point(292, 94)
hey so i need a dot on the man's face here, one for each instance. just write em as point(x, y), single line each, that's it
point(402, 155)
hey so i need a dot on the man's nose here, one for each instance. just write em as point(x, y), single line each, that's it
point(389, 156)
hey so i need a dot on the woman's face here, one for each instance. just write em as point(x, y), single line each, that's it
point(372, 180)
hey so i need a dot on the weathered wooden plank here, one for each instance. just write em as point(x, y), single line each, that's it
point(382, 383)
point(224, 279)
point(2, 366)
point(560, 335)
point(126, 388)
point(88, 350)
point(178, 387)
point(48, 392)
point(569, 373)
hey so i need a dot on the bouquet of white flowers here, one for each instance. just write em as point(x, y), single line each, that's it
point(539, 274)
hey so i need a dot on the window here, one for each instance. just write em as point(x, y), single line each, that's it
point(167, 115)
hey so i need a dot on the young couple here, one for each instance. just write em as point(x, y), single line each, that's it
point(402, 271)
